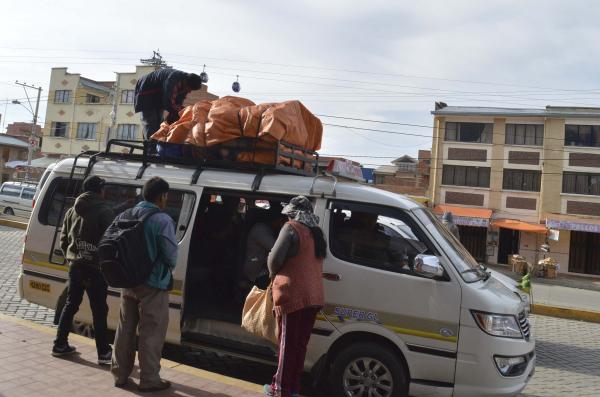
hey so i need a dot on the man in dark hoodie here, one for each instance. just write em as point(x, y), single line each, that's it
point(163, 89)
point(82, 229)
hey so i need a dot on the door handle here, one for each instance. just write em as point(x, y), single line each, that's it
point(332, 276)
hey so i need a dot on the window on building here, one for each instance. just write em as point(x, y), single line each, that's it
point(376, 237)
point(90, 98)
point(524, 134)
point(59, 129)
point(581, 183)
point(126, 131)
point(582, 135)
point(459, 175)
point(127, 96)
point(527, 180)
point(62, 96)
point(86, 130)
point(469, 132)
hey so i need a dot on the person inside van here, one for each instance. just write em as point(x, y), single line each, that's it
point(81, 231)
point(259, 242)
point(296, 267)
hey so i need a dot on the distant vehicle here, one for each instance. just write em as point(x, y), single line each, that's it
point(16, 198)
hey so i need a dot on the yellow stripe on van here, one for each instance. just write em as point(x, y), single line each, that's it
point(400, 330)
point(64, 268)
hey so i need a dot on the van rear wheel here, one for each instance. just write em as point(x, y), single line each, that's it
point(368, 369)
point(9, 211)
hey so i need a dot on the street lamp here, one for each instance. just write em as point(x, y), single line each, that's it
point(32, 135)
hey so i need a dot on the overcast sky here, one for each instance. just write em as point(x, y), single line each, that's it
point(376, 60)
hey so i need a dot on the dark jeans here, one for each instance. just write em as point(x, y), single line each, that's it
point(151, 120)
point(85, 278)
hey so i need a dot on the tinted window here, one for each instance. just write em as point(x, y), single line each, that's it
point(11, 190)
point(28, 193)
point(469, 132)
point(581, 183)
point(119, 197)
point(377, 237)
point(527, 180)
point(459, 175)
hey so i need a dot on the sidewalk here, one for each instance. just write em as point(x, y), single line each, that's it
point(28, 369)
point(566, 296)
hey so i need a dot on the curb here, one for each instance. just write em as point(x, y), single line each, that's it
point(15, 224)
point(199, 373)
point(564, 312)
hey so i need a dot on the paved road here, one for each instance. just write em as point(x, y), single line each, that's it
point(568, 351)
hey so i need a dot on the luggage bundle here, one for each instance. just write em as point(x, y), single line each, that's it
point(236, 129)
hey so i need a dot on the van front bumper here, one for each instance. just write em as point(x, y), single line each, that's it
point(476, 371)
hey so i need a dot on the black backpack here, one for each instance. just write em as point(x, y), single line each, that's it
point(123, 252)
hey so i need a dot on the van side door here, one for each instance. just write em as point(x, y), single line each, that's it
point(372, 286)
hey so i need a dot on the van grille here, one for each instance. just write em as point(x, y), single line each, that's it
point(524, 324)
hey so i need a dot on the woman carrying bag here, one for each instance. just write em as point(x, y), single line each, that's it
point(296, 268)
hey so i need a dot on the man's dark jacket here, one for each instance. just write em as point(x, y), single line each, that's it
point(83, 228)
point(155, 90)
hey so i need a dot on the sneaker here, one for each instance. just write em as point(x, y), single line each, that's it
point(105, 359)
point(163, 385)
point(60, 351)
point(122, 383)
point(268, 390)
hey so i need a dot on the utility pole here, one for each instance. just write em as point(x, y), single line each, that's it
point(34, 126)
point(112, 131)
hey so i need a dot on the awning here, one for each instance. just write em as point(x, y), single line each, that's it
point(519, 225)
point(466, 216)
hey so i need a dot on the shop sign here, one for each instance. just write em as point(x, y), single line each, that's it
point(468, 221)
point(575, 226)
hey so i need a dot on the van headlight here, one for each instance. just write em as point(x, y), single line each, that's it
point(498, 324)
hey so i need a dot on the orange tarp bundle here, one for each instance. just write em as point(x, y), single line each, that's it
point(209, 123)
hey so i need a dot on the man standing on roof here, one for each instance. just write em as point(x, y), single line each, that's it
point(163, 89)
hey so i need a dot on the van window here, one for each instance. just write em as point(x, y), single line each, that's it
point(119, 197)
point(377, 237)
point(28, 193)
point(60, 191)
point(11, 190)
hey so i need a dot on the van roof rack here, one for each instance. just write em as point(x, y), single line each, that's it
point(258, 156)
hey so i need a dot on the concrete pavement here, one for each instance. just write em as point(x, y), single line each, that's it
point(28, 369)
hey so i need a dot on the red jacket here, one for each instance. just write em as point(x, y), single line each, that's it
point(299, 283)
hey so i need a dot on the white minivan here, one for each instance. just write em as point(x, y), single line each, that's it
point(408, 310)
point(16, 198)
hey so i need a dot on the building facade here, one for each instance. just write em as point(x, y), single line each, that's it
point(519, 178)
point(12, 150)
point(405, 175)
point(79, 113)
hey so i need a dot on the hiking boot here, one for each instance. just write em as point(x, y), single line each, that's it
point(105, 358)
point(163, 385)
point(61, 351)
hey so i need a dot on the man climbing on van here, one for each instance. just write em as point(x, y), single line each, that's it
point(82, 229)
point(148, 303)
point(163, 89)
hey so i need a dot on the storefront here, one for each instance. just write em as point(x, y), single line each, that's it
point(472, 225)
point(518, 237)
point(583, 244)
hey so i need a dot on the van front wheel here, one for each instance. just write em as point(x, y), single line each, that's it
point(368, 369)
point(9, 211)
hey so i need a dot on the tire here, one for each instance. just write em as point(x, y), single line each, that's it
point(9, 211)
point(352, 372)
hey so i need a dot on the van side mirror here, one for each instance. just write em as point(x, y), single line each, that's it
point(428, 266)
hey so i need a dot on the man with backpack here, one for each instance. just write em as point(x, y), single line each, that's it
point(163, 89)
point(83, 226)
point(148, 302)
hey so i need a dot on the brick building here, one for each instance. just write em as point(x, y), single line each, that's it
point(405, 175)
point(511, 175)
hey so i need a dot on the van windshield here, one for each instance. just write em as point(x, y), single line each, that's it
point(461, 259)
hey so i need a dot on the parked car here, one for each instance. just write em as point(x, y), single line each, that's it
point(16, 198)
